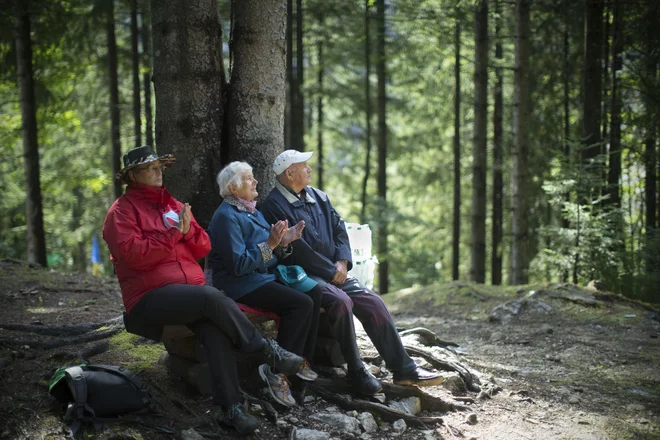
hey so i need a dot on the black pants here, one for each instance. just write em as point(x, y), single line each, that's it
point(298, 312)
point(216, 320)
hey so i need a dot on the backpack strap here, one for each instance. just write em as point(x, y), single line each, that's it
point(133, 379)
point(78, 386)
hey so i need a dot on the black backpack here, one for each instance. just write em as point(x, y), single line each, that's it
point(99, 393)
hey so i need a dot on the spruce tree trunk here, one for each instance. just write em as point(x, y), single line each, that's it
point(36, 237)
point(478, 211)
point(614, 170)
point(456, 235)
point(319, 118)
point(300, 68)
point(187, 68)
point(496, 262)
point(146, 80)
point(367, 99)
point(114, 96)
point(135, 58)
point(591, 118)
point(290, 98)
point(257, 91)
point(521, 120)
point(383, 269)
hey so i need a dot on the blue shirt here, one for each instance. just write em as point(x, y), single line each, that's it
point(236, 259)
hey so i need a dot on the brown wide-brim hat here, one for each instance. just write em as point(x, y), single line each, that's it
point(140, 156)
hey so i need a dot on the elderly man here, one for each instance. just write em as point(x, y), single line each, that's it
point(325, 254)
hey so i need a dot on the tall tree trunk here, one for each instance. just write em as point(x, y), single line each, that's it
point(521, 120)
point(496, 262)
point(135, 57)
point(114, 95)
point(36, 238)
point(367, 103)
point(300, 67)
point(478, 236)
point(290, 98)
point(650, 158)
point(146, 80)
point(257, 92)
point(614, 169)
point(566, 79)
point(319, 120)
point(456, 235)
point(591, 117)
point(189, 107)
point(381, 74)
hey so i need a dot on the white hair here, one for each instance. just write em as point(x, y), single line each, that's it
point(230, 175)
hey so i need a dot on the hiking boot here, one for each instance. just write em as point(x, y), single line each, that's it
point(239, 419)
point(364, 383)
point(280, 359)
point(278, 386)
point(419, 377)
point(306, 373)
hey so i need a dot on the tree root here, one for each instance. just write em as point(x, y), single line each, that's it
point(385, 412)
point(61, 342)
point(429, 337)
point(271, 412)
point(85, 353)
point(61, 330)
point(470, 381)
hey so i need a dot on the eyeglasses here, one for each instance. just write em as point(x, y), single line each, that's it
point(152, 169)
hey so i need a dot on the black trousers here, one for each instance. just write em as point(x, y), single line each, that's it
point(217, 321)
point(298, 312)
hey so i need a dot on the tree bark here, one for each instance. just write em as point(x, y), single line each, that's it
point(189, 106)
point(478, 216)
point(456, 236)
point(496, 262)
point(146, 59)
point(114, 96)
point(383, 269)
point(135, 58)
point(36, 237)
point(367, 103)
point(300, 67)
point(614, 169)
point(319, 104)
point(521, 120)
point(257, 92)
point(290, 90)
point(591, 118)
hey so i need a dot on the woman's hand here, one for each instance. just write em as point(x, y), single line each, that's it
point(293, 233)
point(185, 216)
point(277, 231)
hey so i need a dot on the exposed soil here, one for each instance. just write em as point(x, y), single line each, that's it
point(572, 363)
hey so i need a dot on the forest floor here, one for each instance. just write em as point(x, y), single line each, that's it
point(572, 363)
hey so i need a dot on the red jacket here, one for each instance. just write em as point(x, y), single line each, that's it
point(146, 253)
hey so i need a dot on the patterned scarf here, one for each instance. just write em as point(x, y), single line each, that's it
point(248, 205)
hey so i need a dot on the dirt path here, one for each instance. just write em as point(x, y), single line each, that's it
point(567, 369)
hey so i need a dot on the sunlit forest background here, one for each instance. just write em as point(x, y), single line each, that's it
point(518, 139)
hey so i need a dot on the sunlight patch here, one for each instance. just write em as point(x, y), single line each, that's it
point(42, 310)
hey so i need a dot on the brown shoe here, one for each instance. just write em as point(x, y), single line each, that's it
point(419, 377)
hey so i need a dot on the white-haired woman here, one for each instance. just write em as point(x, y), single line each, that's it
point(244, 255)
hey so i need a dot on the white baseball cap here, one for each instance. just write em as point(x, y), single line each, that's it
point(289, 157)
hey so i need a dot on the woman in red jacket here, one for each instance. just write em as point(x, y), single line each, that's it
point(155, 243)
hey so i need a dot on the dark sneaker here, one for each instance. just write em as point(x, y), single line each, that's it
point(419, 377)
point(239, 419)
point(282, 360)
point(364, 383)
point(278, 386)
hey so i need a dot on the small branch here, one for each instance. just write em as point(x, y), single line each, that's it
point(60, 330)
point(85, 353)
point(385, 412)
point(271, 412)
point(62, 342)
